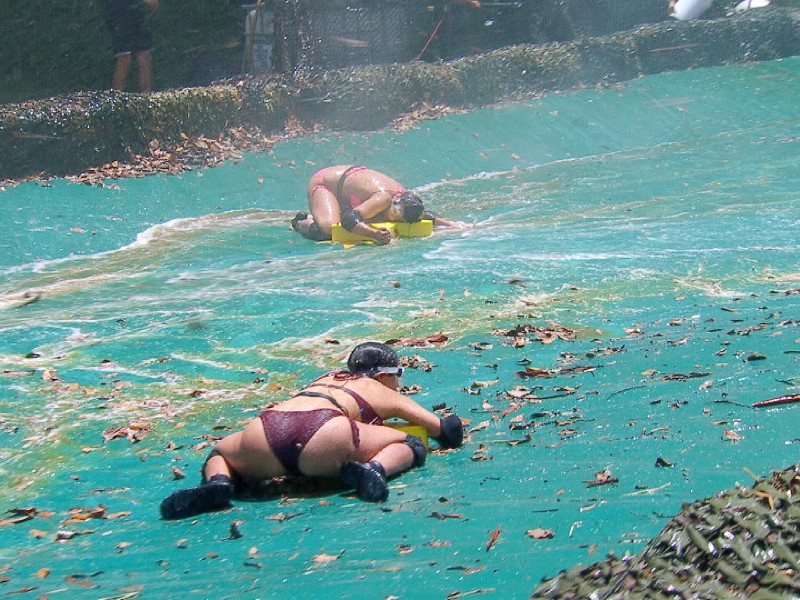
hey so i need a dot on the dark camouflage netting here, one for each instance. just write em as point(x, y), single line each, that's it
point(71, 134)
point(743, 543)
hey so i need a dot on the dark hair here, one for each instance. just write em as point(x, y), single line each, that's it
point(298, 217)
point(411, 207)
point(369, 356)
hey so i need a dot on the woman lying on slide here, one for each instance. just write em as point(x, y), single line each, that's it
point(355, 196)
point(332, 428)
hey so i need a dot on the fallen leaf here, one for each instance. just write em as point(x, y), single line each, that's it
point(283, 517)
point(455, 595)
point(480, 426)
point(15, 520)
point(77, 515)
point(443, 516)
point(118, 515)
point(534, 372)
point(602, 478)
point(483, 384)
point(437, 339)
point(64, 535)
point(731, 435)
point(324, 558)
point(539, 533)
point(78, 580)
point(482, 345)
point(493, 538)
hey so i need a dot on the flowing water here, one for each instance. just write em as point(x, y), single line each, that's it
point(657, 221)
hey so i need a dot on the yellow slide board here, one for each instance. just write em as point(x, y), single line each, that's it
point(417, 430)
point(419, 229)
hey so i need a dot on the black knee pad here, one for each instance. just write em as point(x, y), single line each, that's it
point(316, 234)
point(417, 449)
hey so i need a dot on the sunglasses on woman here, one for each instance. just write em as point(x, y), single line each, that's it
point(389, 371)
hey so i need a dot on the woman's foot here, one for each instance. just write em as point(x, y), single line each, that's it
point(367, 479)
point(217, 493)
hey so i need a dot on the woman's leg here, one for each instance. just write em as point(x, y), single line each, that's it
point(383, 453)
point(215, 492)
point(385, 445)
point(122, 65)
point(362, 455)
point(144, 64)
point(324, 207)
point(216, 466)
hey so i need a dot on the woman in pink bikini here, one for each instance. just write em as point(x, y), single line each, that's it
point(355, 196)
point(329, 429)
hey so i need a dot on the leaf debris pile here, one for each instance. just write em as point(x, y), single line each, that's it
point(199, 152)
point(741, 543)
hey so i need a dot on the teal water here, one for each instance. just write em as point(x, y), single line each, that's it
point(658, 220)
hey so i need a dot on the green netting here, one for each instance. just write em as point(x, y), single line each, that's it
point(657, 222)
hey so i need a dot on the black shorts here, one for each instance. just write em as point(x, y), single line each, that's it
point(129, 31)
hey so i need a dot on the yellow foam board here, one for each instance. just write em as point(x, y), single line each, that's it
point(340, 234)
point(419, 229)
point(417, 430)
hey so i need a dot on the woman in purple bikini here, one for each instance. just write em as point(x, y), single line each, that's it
point(355, 196)
point(332, 428)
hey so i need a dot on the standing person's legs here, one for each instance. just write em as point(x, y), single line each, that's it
point(144, 62)
point(121, 69)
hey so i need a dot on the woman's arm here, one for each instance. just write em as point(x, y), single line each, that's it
point(377, 203)
point(442, 222)
point(356, 219)
point(448, 431)
point(380, 235)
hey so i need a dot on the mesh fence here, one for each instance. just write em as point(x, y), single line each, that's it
point(358, 33)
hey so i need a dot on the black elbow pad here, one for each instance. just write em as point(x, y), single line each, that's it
point(350, 219)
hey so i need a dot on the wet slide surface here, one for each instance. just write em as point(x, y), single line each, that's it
point(629, 289)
